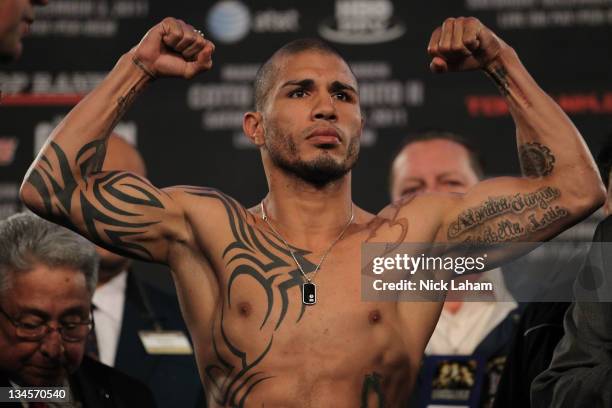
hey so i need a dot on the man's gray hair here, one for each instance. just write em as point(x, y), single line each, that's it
point(27, 240)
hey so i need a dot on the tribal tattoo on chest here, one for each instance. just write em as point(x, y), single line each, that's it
point(252, 253)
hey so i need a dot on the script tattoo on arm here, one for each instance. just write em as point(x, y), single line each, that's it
point(536, 160)
point(508, 218)
point(261, 257)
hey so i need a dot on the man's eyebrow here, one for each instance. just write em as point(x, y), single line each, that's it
point(30, 311)
point(449, 173)
point(341, 86)
point(413, 178)
point(304, 83)
point(75, 311)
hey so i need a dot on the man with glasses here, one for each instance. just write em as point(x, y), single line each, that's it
point(47, 278)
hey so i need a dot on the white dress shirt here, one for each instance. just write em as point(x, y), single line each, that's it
point(461, 332)
point(109, 300)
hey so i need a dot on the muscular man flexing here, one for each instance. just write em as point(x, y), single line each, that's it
point(239, 276)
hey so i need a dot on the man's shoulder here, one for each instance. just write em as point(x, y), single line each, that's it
point(419, 205)
point(206, 203)
point(188, 192)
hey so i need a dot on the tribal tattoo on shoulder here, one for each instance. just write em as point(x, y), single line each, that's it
point(255, 254)
point(103, 198)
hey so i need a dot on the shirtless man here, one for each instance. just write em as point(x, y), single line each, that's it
point(257, 343)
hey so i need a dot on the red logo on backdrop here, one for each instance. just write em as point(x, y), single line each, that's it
point(572, 103)
point(8, 147)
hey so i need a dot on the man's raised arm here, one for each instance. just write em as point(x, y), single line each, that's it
point(118, 210)
point(560, 183)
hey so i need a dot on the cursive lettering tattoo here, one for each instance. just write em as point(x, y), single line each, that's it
point(506, 230)
point(495, 207)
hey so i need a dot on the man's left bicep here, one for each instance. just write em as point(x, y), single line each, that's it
point(508, 209)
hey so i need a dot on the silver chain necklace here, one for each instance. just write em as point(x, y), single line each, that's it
point(309, 289)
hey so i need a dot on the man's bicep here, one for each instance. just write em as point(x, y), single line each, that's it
point(508, 209)
point(118, 210)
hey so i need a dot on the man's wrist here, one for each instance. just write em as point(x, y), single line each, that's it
point(143, 67)
point(506, 57)
point(132, 67)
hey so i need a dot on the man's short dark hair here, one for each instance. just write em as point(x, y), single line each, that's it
point(476, 161)
point(604, 160)
point(266, 73)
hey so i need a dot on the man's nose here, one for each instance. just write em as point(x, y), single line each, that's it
point(52, 345)
point(431, 186)
point(325, 109)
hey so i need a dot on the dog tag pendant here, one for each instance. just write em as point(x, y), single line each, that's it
point(309, 293)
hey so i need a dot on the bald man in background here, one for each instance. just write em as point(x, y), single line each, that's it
point(444, 162)
point(16, 17)
point(125, 307)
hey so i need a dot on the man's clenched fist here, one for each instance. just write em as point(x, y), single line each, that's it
point(174, 48)
point(463, 44)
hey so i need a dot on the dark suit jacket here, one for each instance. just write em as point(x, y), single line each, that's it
point(536, 336)
point(101, 386)
point(173, 379)
point(580, 374)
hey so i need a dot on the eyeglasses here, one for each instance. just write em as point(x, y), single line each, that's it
point(69, 331)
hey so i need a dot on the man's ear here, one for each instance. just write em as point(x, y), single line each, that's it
point(252, 125)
